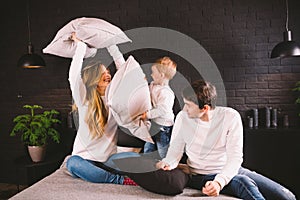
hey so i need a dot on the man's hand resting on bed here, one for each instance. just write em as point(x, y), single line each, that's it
point(211, 188)
point(162, 165)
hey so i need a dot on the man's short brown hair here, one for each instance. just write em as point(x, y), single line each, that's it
point(201, 93)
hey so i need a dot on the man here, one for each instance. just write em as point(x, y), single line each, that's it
point(212, 138)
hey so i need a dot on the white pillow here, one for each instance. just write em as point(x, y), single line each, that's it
point(128, 97)
point(97, 33)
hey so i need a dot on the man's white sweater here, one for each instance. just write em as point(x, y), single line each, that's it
point(213, 147)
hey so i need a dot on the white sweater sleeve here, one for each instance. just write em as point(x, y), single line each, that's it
point(177, 144)
point(76, 84)
point(117, 56)
point(234, 151)
point(165, 101)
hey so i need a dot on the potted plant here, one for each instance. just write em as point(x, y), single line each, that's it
point(36, 130)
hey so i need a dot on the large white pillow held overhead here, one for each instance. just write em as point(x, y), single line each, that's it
point(95, 32)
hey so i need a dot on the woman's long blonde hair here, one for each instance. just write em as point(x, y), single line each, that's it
point(97, 114)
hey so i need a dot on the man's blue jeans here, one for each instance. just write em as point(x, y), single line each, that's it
point(269, 188)
point(247, 185)
point(161, 141)
point(89, 171)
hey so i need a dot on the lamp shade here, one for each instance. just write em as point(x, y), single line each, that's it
point(31, 60)
point(286, 49)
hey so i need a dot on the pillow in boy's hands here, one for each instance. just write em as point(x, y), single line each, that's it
point(128, 97)
point(97, 33)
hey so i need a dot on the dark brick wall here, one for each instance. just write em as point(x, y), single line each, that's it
point(238, 35)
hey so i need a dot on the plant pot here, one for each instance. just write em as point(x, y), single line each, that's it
point(37, 153)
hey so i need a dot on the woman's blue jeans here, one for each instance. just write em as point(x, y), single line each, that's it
point(89, 171)
point(247, 185)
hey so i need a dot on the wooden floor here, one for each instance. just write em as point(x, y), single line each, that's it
point(9, 190)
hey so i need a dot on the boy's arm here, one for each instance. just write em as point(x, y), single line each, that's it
point(164, 104)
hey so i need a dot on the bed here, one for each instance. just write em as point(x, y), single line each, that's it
point(59, 185)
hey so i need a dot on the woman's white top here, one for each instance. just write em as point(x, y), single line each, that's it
point(97, 149)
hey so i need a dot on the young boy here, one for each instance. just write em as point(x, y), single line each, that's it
point(162, 98)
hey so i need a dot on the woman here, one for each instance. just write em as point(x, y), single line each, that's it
point(96, 138)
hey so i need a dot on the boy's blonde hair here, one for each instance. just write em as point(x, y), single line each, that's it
point(166, 66)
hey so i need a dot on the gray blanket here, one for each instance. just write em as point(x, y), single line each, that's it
point(59, 185)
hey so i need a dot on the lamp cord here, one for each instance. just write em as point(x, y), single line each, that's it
point(287, 16)
point(28, 23)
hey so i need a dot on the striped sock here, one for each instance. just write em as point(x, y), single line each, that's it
point(129, 181)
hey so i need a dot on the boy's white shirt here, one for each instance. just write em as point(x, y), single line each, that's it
point(162, 98)
point(213, 147)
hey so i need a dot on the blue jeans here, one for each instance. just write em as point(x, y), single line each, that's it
point(89, 171)
point(247, 185)
point(269, 188)
point(161, 138)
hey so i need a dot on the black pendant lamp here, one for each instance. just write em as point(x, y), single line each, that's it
point(30, 60)
point(288, 47)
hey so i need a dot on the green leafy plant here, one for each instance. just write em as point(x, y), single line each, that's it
point(297, 89)
point(36, 129)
